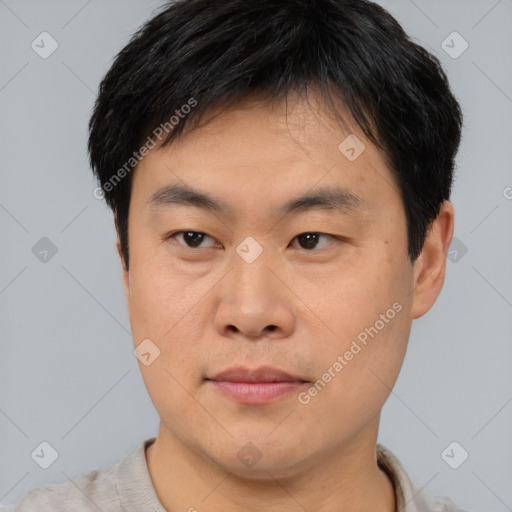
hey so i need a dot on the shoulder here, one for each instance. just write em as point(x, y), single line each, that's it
point(427, 503)
point(92, 490)
point(409, 497)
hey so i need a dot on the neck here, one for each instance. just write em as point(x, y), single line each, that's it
point(346, 480)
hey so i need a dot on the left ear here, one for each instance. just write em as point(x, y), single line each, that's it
point(430, 266)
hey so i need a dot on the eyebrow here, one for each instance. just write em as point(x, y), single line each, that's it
point(328, 198)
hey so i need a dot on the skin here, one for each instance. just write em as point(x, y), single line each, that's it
point(207, 309)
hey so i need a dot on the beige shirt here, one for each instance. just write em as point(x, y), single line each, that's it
point(127, 487)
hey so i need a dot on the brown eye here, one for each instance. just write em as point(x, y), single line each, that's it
point(191, 239)
point(309, 241)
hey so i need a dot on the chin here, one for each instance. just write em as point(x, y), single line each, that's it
point(259, 458)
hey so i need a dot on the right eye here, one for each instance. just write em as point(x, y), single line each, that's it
point(191, 239)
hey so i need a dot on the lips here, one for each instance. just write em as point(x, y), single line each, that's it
point(263, 374)
point(262, 385)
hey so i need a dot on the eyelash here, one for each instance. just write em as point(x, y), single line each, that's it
point(176, 233)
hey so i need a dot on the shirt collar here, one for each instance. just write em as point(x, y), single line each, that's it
point(134, 483)
point(136, 489)
point(408, 497)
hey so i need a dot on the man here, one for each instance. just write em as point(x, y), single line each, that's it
point(280, 174)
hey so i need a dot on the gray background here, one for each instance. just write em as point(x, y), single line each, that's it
point(67, 371)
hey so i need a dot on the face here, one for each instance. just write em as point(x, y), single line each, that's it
point(275, 327)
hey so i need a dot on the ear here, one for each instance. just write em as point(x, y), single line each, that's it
point(430, 266)
point(126, 275)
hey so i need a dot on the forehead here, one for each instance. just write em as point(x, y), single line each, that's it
point(261, 151)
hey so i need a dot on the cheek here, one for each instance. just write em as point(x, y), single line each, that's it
point(159, 297)
point(368, 315)
point(356, 377)
point(164, 313)
point(168, 308)
point(372, 296)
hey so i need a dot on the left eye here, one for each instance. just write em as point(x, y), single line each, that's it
point(310, 240)
point(193, 239)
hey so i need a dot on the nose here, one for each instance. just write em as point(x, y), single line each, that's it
point(255, 301)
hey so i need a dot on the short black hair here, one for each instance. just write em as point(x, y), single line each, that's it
point(211, 54)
